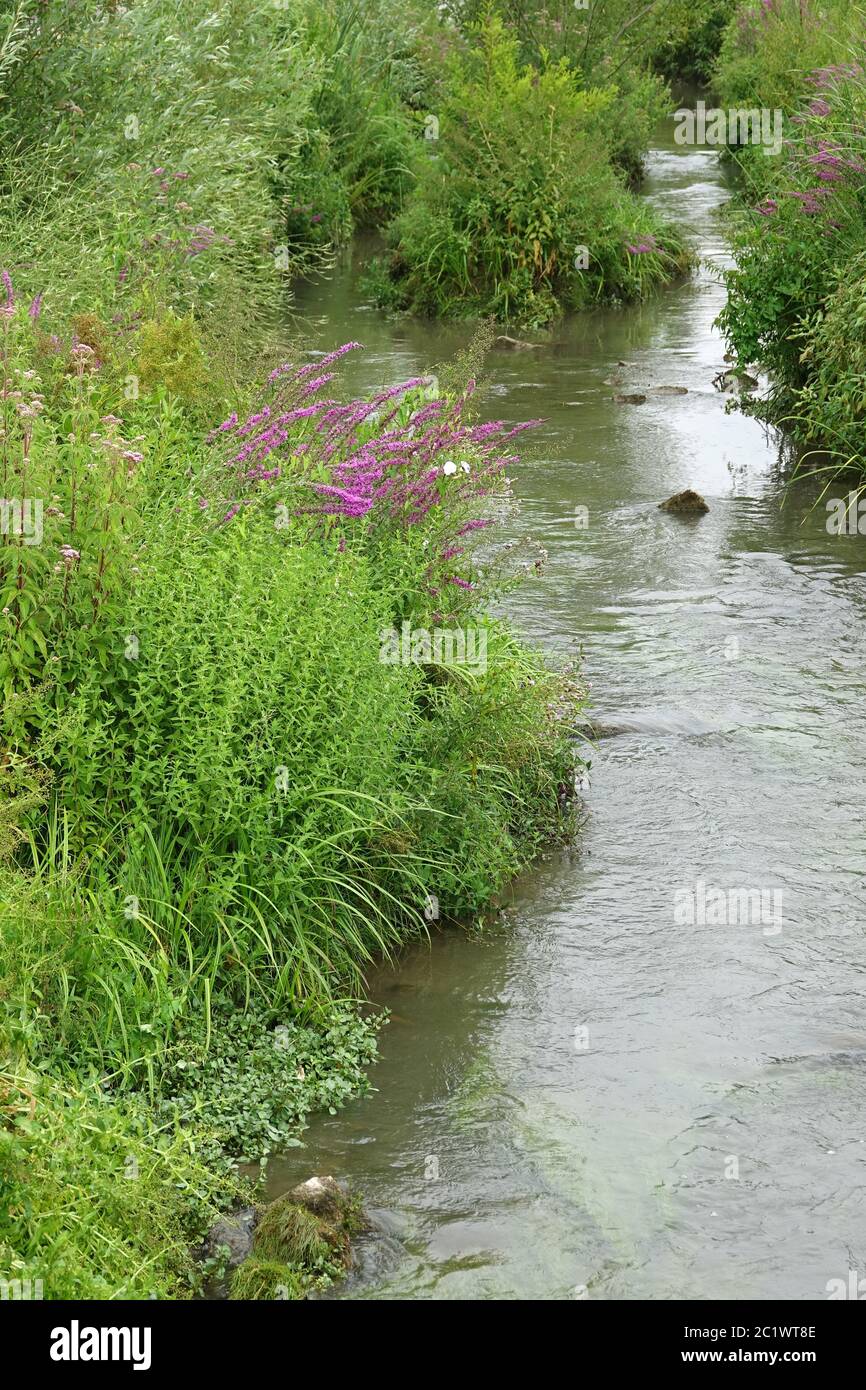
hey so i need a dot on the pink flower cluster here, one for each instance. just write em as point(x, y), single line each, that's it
point(386, 461)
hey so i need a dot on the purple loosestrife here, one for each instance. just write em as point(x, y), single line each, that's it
point(377, 465)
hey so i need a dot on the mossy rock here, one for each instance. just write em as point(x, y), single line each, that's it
point(310, 1227)
point(262, 1280)
point(290, 1233)
point(688, 503)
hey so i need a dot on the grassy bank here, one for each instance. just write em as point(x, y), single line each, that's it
point(798, 290)
point(259, 728)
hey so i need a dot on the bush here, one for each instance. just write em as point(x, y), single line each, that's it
point(518, 181)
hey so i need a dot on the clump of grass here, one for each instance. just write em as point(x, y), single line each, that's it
point(289, 1233)
point(95, 1200)
point(261, 1279)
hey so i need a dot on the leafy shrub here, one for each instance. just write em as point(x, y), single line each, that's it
point(519, 180)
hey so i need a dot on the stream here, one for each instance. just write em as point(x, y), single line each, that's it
point(605, 1096)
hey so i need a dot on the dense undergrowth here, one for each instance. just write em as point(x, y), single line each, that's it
point(797, 294)
point(244, 753)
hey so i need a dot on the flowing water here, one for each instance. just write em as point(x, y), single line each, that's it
point(601, 1098)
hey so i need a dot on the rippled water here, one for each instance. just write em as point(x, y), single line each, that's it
point(598, 1100)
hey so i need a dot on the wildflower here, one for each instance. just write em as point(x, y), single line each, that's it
point(70, 554)
point(7, 285)
point(449, 469)
point(642, 247)
point(35, 306)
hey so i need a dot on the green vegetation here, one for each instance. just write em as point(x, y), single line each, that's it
point(521, 208)
point(224, 791)
point(797, 302)
point(302, 1241)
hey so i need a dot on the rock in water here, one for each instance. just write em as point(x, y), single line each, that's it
point(234, 1233)
point(671, 390)
point(630, 398)
point(686, 503)
point(323, 1196)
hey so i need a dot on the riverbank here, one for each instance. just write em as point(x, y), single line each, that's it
point(259, 727)
point(262, 724)
point(797, 291)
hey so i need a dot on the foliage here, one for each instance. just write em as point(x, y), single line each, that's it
point(221, 799)
point(796, 292)
point(251, 1082)
point(95, 1200)
point(518, 182)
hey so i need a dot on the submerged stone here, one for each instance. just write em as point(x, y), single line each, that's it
point(630, 398)
point(516, 344)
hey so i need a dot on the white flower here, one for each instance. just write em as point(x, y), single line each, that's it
point(465, 467)
point(449, 468)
